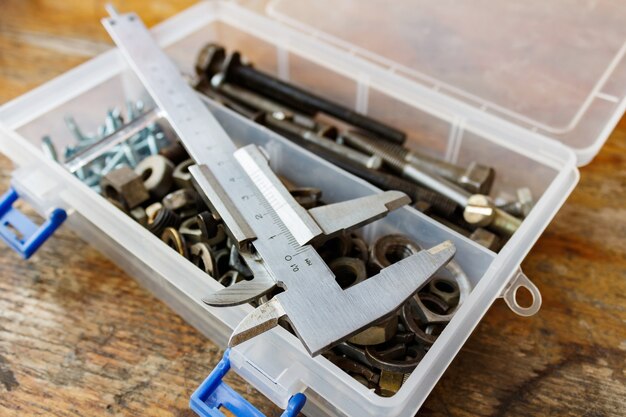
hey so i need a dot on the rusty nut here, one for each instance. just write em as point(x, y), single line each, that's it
point(175, 153)
point(445, 289)
point(348, 271)
point(390, 249)
point(124, 186)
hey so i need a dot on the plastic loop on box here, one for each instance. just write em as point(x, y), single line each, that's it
point(510, 295)
point(213, 393)
point(19, 232)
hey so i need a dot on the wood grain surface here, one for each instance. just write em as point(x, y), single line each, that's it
point(80, 337)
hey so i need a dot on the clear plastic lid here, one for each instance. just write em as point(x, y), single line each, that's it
point(553, 67)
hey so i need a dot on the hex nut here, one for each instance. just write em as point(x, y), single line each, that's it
point(348, 271)
point(156, 172)
point(334, 247)
point(390, 249)
point(526, 200)
point(125, 186)
point(390, 383)
point(445, 289)
point(485, 238)
point(175, 153)
point(181, 175)
point(359, 249)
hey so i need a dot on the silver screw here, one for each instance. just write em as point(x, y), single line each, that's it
point(73, 127)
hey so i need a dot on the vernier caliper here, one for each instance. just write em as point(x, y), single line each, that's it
point(271, 229)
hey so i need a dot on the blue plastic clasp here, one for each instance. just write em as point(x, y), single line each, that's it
point(19, 232)
point(213, 394)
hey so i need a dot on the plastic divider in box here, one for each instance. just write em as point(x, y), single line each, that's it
point(102, 82)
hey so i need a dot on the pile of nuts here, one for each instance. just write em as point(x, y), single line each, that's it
point(382, 356)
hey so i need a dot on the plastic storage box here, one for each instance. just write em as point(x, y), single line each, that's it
point(532, 89)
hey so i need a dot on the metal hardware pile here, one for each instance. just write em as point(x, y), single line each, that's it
point(453, 195)
point(155, 188)
point(146, 175)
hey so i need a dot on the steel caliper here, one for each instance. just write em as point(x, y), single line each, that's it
point(272, 230)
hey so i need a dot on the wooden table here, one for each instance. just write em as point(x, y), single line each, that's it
point(79, 337)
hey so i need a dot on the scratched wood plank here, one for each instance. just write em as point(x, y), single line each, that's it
point(80, 337)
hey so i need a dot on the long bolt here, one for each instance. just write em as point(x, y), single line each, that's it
point(285, 126)
point(384, 181)
point(478, 208)
point(297, 98)
point(475, 178)
point(284, 120)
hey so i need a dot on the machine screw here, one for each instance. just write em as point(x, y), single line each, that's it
point(49, 149)
point(480, 211)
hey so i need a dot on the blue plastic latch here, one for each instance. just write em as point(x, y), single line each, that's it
point(213, 394)
point(19, 232)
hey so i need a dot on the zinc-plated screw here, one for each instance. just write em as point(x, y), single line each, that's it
point(78, 134)
point(48, 148)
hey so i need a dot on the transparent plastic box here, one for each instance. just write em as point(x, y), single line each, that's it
point(452, 77)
